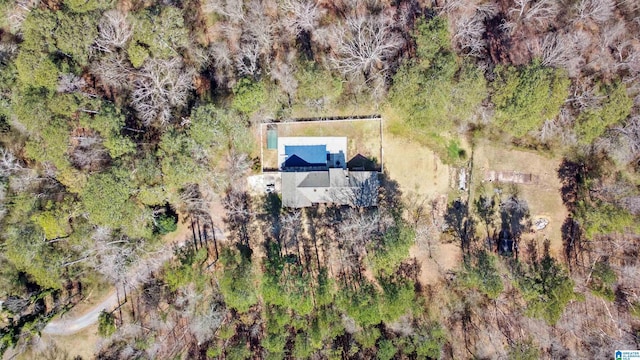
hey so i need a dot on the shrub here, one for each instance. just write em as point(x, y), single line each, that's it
point(106, 324)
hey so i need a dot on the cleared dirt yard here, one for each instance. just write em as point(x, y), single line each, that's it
point(363, 137)
point(422, 177)
point(542, 195)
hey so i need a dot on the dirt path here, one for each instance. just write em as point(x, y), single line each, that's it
point(71, 326)
point(67, 326)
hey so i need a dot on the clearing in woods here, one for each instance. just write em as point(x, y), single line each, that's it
point(422, 178)
point(364, 137)
point(542, 194)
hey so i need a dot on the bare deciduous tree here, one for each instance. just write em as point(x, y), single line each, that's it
point(7, 51)
point(469, 34)
point(284, 74)
point(232, 9)
point(365, 46)
point(599, 11)
point(357, 230)
point(631, 132)
point(18, 13)
point(539, 13)
point(205, 324)
point(160, 86)
point(89, 153)
point(114, 31)
point(302, 15)
point(194, 201)
point(585, 96)
point(69, 83)
point(112, 258)
point(247, 60)
point(113, 71)
point(9, 164)
point(559, 50)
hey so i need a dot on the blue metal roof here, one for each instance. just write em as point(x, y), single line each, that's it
point(311, 154)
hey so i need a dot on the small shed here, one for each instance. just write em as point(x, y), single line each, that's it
point(272, 139)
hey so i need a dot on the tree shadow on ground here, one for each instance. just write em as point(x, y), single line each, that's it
point(572, 242)
point(515, 219)
point(570, 175)
point(458, 219)
point(390, 195)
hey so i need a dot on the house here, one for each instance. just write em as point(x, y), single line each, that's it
point(314, 170)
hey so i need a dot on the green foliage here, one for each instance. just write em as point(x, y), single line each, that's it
point(432, 37)
point(397, 299)
point(237, 284)
point(317, 86)
point(248, 96)
point(386, 350)
point(8, 78)
point(483, 275)
point(393, 250)
point(362, 304)
point(527, 96)
point(107, 200)
point(455, 152)
point(367, 337)
point(108, 122)
point(137, 54)
point(81, 6)
point(106, 324)
point(187, 271)
point(213, 353)
point(67, 105)
point(425, 343)
point(635, 309)
point(166, 223)
point(36, 69)
point(604, 218)
point(25, 249)
point(226, 331)
point(603, 278)
point(432, 342)
point(52, 144)
point(152, 195)
point(179, 165)
point(160, 33)
point(454, 89)
point(45, 33)
point(616, 106)
point(53, 226)
point(30, 110)
point(217, 130)
point(546, 288)
point(524, 351)
point(148, 173)
point(75, 33)
point(303, 348)
point(35, 66)
point(274, 345)
point(239, 351)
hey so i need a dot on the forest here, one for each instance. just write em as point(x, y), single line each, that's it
point(128, 129)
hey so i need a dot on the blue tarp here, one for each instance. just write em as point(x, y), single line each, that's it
point(310, 154)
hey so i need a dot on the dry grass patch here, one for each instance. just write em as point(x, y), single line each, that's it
point(543, 195)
